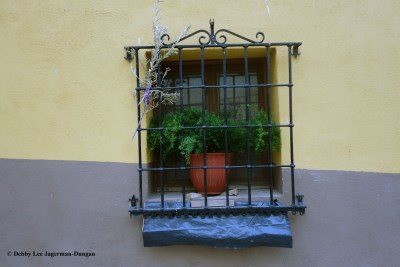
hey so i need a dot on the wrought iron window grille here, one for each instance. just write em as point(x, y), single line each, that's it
point(206, 40)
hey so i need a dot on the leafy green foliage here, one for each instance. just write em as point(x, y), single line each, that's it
point(174, 139)
point(260, 134)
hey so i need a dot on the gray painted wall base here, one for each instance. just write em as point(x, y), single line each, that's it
point(352, 219)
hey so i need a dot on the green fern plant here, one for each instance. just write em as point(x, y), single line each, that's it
point(176, 140)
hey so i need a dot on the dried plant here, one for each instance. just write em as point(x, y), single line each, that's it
point(267, 6)
point(155, 96)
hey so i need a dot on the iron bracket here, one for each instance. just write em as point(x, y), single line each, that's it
point(295, 50)
point(128, 55)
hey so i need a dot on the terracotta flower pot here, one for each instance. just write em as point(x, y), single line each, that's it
point(216, 179)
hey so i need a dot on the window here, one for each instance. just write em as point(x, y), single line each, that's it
point(216, 83)
point(236, 109)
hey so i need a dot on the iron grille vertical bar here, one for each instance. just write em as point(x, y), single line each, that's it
point(161, 126)
point(139, 133)
point(203, 97)
point(291, 123)
point(268, 103)
point(234, 97)
point(181, 111)
point(188, 91)
point(225, 124)
point(247, 88)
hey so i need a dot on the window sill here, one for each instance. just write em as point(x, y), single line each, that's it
point(257, 195)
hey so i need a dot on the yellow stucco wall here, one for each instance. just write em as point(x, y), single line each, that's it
point(65, 89)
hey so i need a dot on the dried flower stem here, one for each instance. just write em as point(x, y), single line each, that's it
point(152, 97)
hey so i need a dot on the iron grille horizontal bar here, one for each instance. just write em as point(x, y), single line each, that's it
point(156, 88)
point(222, 127)
point(235, 210)
point(217, 167)
point(138, 47)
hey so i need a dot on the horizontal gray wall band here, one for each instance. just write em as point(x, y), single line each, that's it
point(352, 219)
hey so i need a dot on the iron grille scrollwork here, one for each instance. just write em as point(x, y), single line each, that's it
point(212, 36)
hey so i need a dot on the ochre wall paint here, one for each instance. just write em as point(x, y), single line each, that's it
point(65, 89)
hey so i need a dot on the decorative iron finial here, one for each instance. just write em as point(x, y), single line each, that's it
point(299, 199)
point(212, 34)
